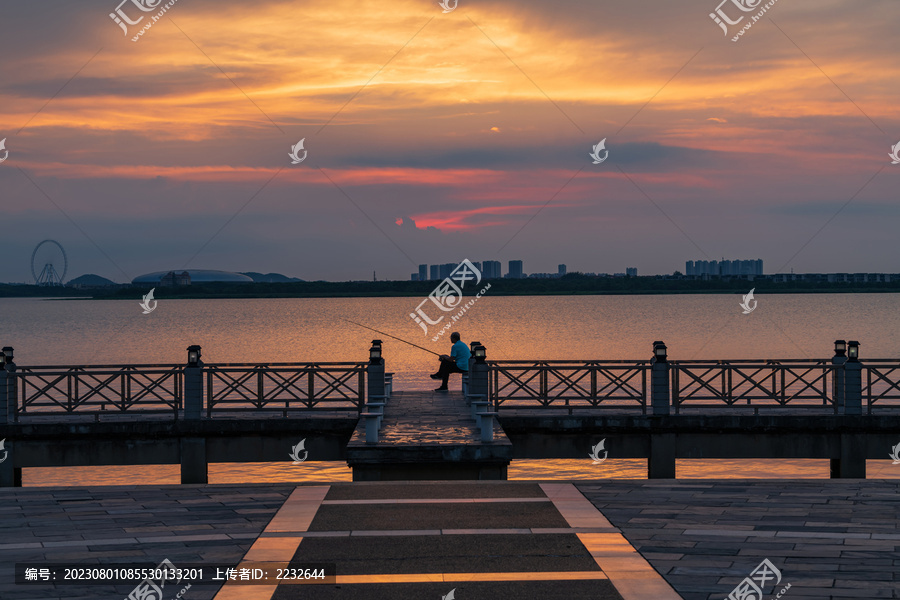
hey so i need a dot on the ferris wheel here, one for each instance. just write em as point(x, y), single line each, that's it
point(44, 261)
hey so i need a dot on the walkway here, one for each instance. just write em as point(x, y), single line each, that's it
point(428, 435)
point(487, 540)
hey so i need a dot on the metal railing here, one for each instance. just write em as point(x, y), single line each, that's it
point(98, 390)
point(800, 383)
point(159, 388)
point(617, 384)
point(881, 382)
point(284, 386)
point(568, 384)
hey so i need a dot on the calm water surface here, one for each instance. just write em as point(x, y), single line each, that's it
point(68, 332)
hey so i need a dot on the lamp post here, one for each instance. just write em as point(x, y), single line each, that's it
point(839, 358)
point(193, 384)
point(852, 380)
point(659, 380)
point(194, 356)
point(466, 376)
point(8, 386)
point(660, 351)
point(375, 353)
point(479, 374)
point(375, 388)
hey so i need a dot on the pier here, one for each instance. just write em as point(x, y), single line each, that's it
point(843, 409)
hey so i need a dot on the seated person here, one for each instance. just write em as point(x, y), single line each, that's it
point(457, 362)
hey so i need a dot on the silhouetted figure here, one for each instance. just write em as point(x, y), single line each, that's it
point(457, 362)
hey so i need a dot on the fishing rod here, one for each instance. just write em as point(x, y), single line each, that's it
point(391, 336)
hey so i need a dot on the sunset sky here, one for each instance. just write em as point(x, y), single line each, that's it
point(434, 137)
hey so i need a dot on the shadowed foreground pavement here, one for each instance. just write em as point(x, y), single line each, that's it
point(498, 540)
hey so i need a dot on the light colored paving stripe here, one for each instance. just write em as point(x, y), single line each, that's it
point(451, 577)
point(399, 532)
point(298, 511)
point(573, 506)
point(295, 516)
point(628, 571)
point(436, 500)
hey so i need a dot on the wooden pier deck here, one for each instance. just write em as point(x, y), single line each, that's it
point(626, 540)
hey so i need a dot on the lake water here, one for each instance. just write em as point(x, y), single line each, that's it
point(694, 326)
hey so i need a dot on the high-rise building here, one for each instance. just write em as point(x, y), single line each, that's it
point(446, 269)
point(423, 272)
point(435, 272)
point(724, 268)
point(491, 269)
point(414, 277)
point(631, 271)
point(516, 269)
point(561, 270)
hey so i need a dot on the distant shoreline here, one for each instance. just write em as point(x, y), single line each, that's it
point(568, 286)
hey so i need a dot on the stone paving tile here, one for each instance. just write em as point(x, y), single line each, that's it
point(186, 524)
point(826, 537)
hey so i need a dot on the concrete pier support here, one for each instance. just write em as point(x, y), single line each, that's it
point(194, 466)
point(852, 461)
point(661, 462)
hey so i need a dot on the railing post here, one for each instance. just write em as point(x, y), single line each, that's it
point(479, 373)
point(375, 372)
point(659, 380)
point(853, 381)
point(837, 388)
point(193, 384)
point(466, 377)
point(192, 450)
point(10, 475)
point(8, 397)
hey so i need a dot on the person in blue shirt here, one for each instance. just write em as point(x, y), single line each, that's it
point(457, 362)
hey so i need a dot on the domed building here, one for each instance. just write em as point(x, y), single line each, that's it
point(190, 276)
